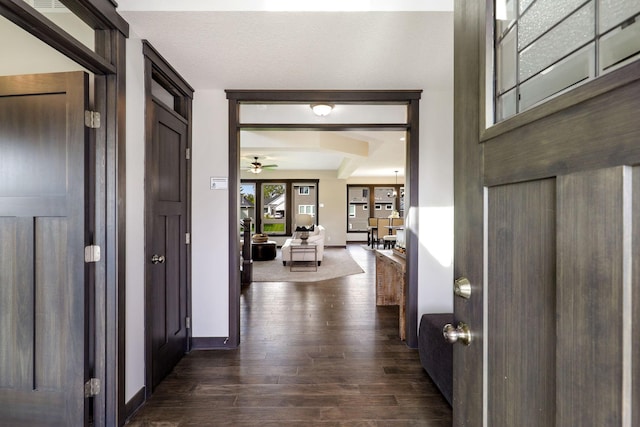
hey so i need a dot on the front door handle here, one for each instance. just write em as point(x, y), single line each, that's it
point(454, 334)
point(157, 259)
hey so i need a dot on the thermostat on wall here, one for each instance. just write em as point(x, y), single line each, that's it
point(218, 183)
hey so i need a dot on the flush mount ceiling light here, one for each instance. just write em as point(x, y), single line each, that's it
point(322, 109)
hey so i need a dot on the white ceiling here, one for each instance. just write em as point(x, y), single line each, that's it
point(216, 48)
point(353, 153)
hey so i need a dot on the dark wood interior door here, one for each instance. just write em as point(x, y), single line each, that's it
point(43, 219)
point(546, 212)
point(166, 249)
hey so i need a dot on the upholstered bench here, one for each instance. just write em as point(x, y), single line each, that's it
point(436, 355)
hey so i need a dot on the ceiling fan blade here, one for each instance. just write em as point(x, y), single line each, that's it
point(269, 166)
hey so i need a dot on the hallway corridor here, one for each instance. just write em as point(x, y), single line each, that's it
point(311, 354)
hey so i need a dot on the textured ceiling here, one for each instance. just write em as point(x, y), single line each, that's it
point(304, 50)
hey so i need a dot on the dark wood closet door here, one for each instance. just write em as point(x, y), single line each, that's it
point(43, 324)
point(166, 231)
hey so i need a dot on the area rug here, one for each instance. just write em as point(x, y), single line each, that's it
point(336, 262)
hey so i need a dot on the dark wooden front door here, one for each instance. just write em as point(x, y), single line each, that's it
point(43, 276)
point(166, 250)
point(547, 206)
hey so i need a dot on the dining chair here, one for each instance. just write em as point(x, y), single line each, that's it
point(372, 228)
point(389, 239)
point(383, 223)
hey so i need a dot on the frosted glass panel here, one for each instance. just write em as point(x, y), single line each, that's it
point(505, 15)
point(341, 113)
point(65, 19)
point(619, 46)
point(507, 62)
point(543, 15)
point(524, 4)
point(574, 69)
point(614, 12)
point(506, 105)
point(163, 95)
point(566, 37)
point(560, 44)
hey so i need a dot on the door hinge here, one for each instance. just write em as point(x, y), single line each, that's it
point(188, 322)
point(188, 154)
point(92, 119)
point(92, 387)
point(187, 238)
point(92, 253)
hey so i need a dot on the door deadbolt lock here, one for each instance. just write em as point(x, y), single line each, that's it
point(157, 259)
point(460, 333)
point(462, 287)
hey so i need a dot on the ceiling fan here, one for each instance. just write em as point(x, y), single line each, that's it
point(256, 166)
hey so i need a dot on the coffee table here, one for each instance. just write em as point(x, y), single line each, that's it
point(302, 249)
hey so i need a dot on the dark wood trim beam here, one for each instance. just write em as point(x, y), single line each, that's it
point(148, 202)
point(209, 343)
point(98, 14)
point(119, 86)
point(170, 73)
point(112, 45)
point(102, 367)
point(24, 16)
point(338, 96)
point(134, 403)
point(329, 127)
point(412, 204)
point(234, 243)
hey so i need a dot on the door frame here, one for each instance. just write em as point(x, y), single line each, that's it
point(410, 98)
point(108, 65)
point(158, 69)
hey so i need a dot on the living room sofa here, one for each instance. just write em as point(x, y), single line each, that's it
point(316, 236)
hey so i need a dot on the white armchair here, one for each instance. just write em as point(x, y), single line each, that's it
point(316, 236)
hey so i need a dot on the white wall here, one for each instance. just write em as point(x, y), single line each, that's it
point(210, 216)
point(134, 339)
point(435, 216)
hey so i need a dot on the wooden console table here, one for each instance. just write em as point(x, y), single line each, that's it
point(391, 283)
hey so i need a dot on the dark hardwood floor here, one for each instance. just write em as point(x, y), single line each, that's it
point(311, 354)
